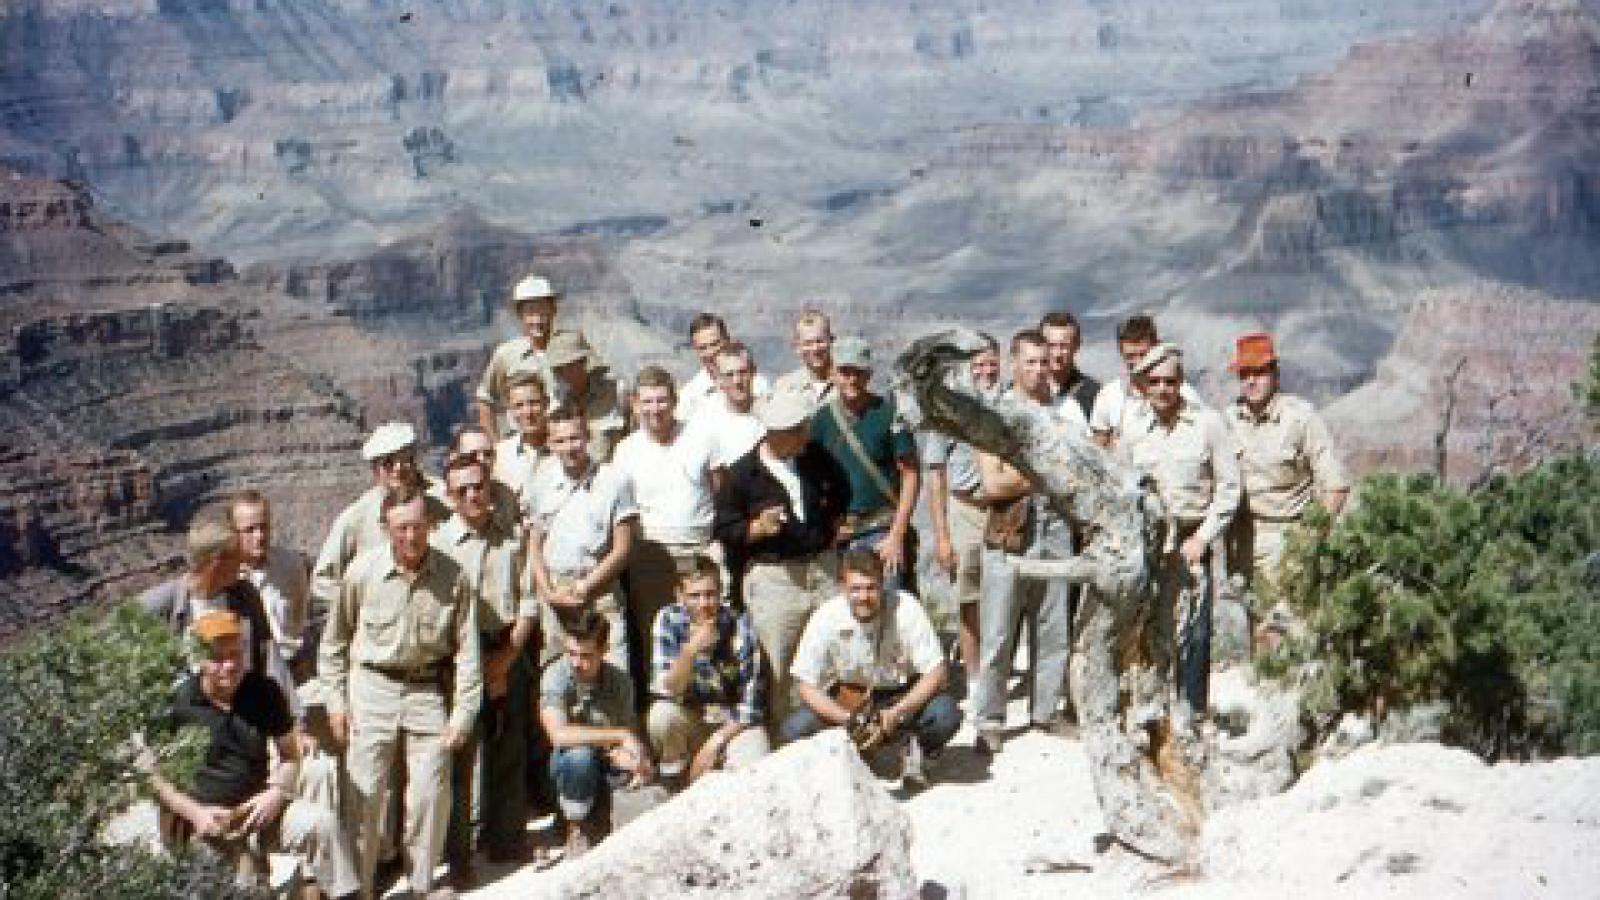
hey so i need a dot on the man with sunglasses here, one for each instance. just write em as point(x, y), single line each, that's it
point(1193, 460)
point(472, 444)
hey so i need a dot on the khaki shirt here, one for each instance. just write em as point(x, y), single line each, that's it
point(606, 412)
point(503, 504)
point(496, 564)
point(510, 356)
point(357, 529)
point(1195, 464)
point(384, 621)
point(1286, 456)
point(800, 380)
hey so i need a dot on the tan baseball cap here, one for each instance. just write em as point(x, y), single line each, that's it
point(565, 347)
point(1157, 355)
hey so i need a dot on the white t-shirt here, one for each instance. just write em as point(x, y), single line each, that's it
point(888, 652)
point(731, 433)
point(671, 483)
point(701, 390)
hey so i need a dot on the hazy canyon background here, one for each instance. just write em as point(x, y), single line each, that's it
point(235, 235)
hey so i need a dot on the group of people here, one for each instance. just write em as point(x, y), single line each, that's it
point(616, 584)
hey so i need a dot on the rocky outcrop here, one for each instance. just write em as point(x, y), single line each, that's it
point(808, 821)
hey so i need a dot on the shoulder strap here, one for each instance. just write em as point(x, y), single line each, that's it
point(841, 419)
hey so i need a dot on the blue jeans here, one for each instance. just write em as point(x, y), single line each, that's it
point(583, 779)
point(934, 724)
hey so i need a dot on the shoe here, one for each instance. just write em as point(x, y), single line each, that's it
point(989, 740)
point(913, 777)
point(1061, 726)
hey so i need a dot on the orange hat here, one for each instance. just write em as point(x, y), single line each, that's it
point(217, 624)
point(1253, 351)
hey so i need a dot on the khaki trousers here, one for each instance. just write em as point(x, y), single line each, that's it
point(966, 534)
point(389, 721)
point(780, 597)
point(678, 731)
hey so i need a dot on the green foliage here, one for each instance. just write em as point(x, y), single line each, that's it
point(1487, 601)
point(70, 702)
point(1589, 391)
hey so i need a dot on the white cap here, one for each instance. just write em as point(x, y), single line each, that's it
point(534, 287)
point(1157, 355)
point(390, 437)
point(784, 409)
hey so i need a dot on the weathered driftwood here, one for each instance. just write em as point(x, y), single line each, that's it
point(1143, 778)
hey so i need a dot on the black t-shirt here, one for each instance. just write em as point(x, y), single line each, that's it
point(235, 766)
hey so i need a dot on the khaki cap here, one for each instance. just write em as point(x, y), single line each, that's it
point(783, 409)
point(534, 287)
point(852, 353)
point(390, 437)
point(565, 347)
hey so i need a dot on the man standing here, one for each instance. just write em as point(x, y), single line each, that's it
point(957, 507)
point(1007, 597)
point(707, 680)
point(1062, 338)
point(708, 335)
point(518, 454)
point(1194, 463)
point(588, 388)
point(241, 803)
point(533, 301)
point(278, 574)
point(586, 707)
point(862, 431)
point(1287, 460)
point(583, 528)
point(494, 559)
point(729, 420)
point(876, 648)
point(778, 514)
point(673, 473)
point(391, 451)
point(403, 628)
point(1120, 405)
point(813, 344)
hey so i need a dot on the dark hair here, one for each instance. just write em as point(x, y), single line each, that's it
point(1060, 319)
point(399, 496)
point(737, 348)
point(1140, 329)
point(1027, 336)
point(862, 562)
point(458, 433)
point(699, 567)
point(591, 627)
point(566, 412)
point(462, 463)
point(707, 320)
point(654, 377)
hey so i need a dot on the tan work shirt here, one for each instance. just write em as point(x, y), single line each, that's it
point(604, 408)
point(510, 356)
point(1195, 464)
point(1286, 457)
point(391, 623)
point(357, 529)
point(495, 561)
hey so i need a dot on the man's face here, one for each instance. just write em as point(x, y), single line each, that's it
point(223, 667)
point(253, 525)
point(654, 406)
point(1161, 387)
point(701, 595)
point(1258, 383)
point(788, 443)
point(1030, 368)
point(865, 595)
point(986, 369)
point(851, 383)
point(469, 491)
point(586, 657)
point(538, 318)
point(476, 446)
point(736, 375)
point(1132, 352)
point(1061, 348)
point(707, 343)
point(813, 343)
point(569, 441)
point(528, 407)
point(396, 470)
point(408, 532)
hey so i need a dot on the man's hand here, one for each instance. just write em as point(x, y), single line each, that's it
point(710, 755)
point(454, 738)
point(767, 523)
point(264, 808)
point(339, 727)
point(890, 719)
point(944, 556)
point(211, 821)
point(892, 550)
point(1193, 550)
point(703, 636)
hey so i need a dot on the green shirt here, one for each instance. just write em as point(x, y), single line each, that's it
point(884, 437)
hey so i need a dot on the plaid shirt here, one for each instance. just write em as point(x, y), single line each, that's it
point(728, 677)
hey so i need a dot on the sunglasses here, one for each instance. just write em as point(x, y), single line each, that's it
point(1161, 379)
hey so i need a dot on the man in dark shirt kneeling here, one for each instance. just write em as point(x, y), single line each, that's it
point(242, 804)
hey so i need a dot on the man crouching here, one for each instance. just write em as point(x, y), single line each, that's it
point(856, 663)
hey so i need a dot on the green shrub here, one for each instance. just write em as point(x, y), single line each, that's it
point(1487, 601)
point(70, 699)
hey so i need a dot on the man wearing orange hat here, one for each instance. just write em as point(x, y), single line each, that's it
point(1287, 459)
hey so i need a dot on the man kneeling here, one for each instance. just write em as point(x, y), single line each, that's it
point(855, 667)
point(586, 707)
point(707, 680)
point(236, 805)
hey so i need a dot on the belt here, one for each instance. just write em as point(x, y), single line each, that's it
point(860, 523)
point(428, 674)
